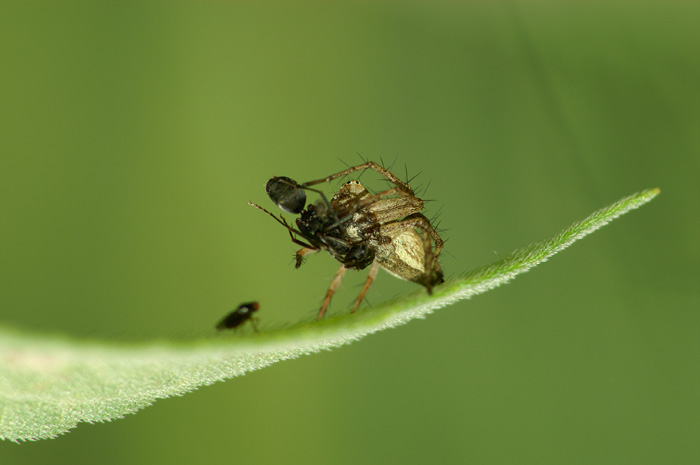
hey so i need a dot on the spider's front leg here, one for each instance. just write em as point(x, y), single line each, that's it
point(353, 199)
point(367, 165)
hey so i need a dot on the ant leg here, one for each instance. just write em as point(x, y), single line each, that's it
point(331, 290)
point(282, 221)
point(370, 279)
point(303, 244)
point(291, 232)
point(253, 322)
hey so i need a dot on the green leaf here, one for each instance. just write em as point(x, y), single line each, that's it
point(48, 384)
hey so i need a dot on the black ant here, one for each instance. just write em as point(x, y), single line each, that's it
point(319, 225)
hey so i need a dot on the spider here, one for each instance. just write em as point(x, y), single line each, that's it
point(360, 229)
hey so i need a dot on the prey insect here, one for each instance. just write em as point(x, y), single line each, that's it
point(360, 229)
point(239, 316)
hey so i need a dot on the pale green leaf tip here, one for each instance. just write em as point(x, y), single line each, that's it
point(50, 384)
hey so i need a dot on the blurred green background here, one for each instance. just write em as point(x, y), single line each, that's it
point(133, 134)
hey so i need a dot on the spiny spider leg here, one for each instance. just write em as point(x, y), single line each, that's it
point(402, 189)
point(331, 290)
point(371, 199)
point(370, 279)
point(419, 221)
point(368, 165)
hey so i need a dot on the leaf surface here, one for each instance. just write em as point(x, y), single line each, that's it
point(50, 384)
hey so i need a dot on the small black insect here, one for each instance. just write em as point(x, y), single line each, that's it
point(236, 318)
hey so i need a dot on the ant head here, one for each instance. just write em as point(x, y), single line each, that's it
point(287, 194)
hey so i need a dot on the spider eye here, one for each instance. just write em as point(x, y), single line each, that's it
point(287, 194)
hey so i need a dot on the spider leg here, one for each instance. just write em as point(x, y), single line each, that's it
point(432, 273)
point(402, 189)
point(331, 290)
point(431, 256)
point(370, 279)
point(400, 207)
point(367, 165)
